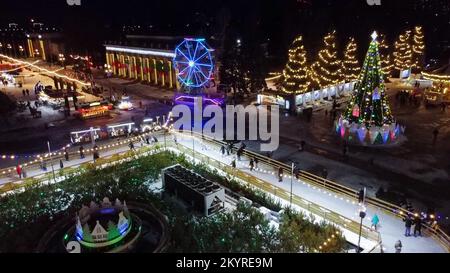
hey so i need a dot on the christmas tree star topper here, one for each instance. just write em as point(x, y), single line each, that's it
point(374, 35)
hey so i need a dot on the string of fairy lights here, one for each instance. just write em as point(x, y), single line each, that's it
point(418, 47)
point(60, 152)
point(328, 70)
point(386, 57)
point(53, 73)
point(436, 77)
point(295, 74)
point(350, 65)
point(369, 104)
point(409, 49)
point(403, 53)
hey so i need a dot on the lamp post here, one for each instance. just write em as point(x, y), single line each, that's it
point(362, 214)
point(193, 146)
point(51, 160)
point(165, 144)
point(292, 180)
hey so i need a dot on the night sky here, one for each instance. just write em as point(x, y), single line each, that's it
point(280, 20)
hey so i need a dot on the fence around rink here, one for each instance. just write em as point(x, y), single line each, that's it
point(311, 179)
point(326, 214)
point(338, 189)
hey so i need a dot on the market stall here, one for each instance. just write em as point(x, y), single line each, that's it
point(94, 110)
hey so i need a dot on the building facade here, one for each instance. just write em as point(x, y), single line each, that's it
point(148, 59)
point(32, 42)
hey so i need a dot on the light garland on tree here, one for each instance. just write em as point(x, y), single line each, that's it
point(350, 65)
point(418, 48)
point(436, 77)
point(326, 71)
point(368, 118)
point(403, 51)
point(295, 75)
point(386, 57)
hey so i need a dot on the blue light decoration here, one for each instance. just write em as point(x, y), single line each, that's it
point(190, 99)
point(385, 136)
point(376, 94)
point(194, 63)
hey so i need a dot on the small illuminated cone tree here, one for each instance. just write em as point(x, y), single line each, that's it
point(418, 49)
point(350, 65)
point(295, 74)
point(326, 71)
point(369, 111)
point(403, 52)
point(386, 57)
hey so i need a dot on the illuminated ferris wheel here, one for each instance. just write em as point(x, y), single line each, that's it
point(194, 63)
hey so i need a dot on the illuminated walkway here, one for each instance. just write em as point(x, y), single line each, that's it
point(391, 228)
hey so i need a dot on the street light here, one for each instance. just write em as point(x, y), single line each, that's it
point(292, 180)
point(362, 214)
point(193, 145)
point(51, 160)
point(62, 59)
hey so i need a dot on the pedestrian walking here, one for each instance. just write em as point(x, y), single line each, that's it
point(418, 226)
point(280, 174)
point(131, 145)
point(233, 163)
point(222, 150)
point(81, 152)
point(23, 92)
point(375, 220)
point(324, 173)
point(61, 164)
point(409, 207)
point(255, 159)
point(435, 135)
point(19, 171)
point(66, 154)
point(96, 153)
point(302, 145)
point(408, 224)
point(344, 149)
point(28, 92)
point(297, 172)
point(147, 140)
point(361, 196)
point(251, 164)
point(398, 246)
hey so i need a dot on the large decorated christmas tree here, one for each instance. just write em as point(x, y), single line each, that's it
point(368, 116)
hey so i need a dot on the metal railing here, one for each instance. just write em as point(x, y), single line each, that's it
point(320, 182)
point(313, 180)
point(311, 207)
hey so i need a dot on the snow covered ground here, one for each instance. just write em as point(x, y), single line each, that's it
point(391, 228)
